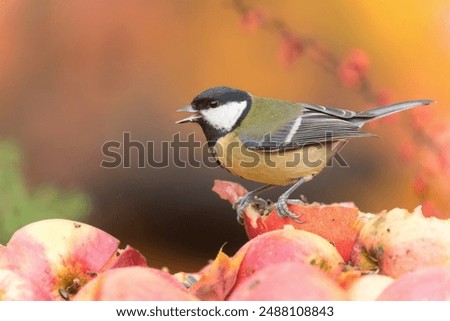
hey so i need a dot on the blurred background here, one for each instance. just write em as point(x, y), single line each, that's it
point(77, 74)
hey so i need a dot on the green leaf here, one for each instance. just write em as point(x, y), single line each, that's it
point(20, 206)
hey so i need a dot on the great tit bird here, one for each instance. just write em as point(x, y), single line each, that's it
point(276, 142)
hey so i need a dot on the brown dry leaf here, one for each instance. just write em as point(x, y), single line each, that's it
point(216, 283)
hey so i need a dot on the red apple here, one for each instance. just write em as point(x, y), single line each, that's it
point(337, 223)
point(398, 242)
point(431, 284)
point(288, 245)
point(288, 281)
point(134, 283)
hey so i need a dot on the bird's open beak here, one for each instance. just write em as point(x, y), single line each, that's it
point(192, 118)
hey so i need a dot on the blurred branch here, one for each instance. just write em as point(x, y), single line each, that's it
point(350, 72)
point(427, 137)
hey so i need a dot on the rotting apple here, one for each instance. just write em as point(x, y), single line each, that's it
point(398, 242)
point(61, 255)
point(14, 287)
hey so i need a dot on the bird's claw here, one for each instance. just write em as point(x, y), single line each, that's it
point(281, 206)
point(240, 206)
point(243, 202)
point(283, 210)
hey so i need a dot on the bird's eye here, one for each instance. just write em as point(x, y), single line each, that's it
point(213, 103)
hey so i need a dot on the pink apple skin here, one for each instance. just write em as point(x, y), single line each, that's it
point(288, 281)
point(57, 253)
point(288, 245)
point(400, 242)
point(16, 287)
point(129, 256)
point(368, 287)
point(134, 283)
point(428, 284)
point(229, 191)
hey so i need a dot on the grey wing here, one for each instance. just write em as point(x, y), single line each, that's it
point(317, 124)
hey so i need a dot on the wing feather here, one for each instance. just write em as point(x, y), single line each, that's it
point(317, 124)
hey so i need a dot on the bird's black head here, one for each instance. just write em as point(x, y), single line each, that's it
point(219, 110)
point(219, 96)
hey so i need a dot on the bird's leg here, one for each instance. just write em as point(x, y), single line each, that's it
point(283, 200)
point(246, 200)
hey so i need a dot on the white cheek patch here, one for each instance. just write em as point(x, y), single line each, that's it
point(224, 117)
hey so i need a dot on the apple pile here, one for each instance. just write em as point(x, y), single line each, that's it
point(333, 252)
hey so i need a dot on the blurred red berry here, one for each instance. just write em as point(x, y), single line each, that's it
point(383, 97)
point(353, 68)
point(442, 139)
point(290, 50)
point(420, 185)
point(429, 162)
point(444, 158)
point(422, 119)
point(349, 77)
point(429, 209)
point(252, 20)
point(407, 151)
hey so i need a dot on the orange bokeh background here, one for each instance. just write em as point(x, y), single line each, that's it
point(74, 75)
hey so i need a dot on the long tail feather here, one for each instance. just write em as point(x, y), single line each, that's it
point(369, 115)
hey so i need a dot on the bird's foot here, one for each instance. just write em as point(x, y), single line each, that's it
point(283, 210)
point(242, 203)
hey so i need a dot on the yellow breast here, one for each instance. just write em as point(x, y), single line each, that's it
point(275, 168)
